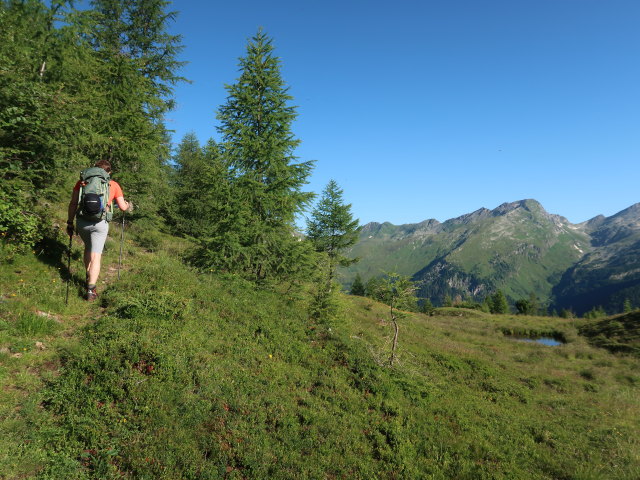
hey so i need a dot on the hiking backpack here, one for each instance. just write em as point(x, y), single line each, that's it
point(94, 195)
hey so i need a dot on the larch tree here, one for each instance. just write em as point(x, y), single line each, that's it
point(207, 206)
point(45, 122)
point(397, 291)
point(139, 66)
point(188, 208)
point(332, 228)
point(258, 144)
point(79, 85)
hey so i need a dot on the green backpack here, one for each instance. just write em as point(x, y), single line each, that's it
point(94, 195)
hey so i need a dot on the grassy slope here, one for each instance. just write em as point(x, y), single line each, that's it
point(183, 375)
point(563, 412)
point(620, 333)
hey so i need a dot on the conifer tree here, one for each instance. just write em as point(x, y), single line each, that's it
point(397, 291)
point(596, 312)
point(499, 303)
point(357, 287)
point(44, 119)
point(203, 198)
point(524, 307)
point(374, 288)
point(427, 307)
point(211, 210)
point(448, 301)
point(258, 144)
point(77, 86)
point(137, 31)
point(138, 68)
point(189, 180)
point(40, 112)
point(332, 228)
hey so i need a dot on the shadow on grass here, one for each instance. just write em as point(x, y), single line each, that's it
point(55, 253)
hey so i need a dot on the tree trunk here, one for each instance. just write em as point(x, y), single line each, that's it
point(395, 340)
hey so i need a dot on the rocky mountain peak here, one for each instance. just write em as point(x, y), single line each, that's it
point(471, 217)
point(623, 225)
point(629, 216)
point(527, 204)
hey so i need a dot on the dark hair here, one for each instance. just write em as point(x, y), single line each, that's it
point(104, 164)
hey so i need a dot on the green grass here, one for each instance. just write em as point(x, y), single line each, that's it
point(560, 412)
point(620, 333)
point(177, 374)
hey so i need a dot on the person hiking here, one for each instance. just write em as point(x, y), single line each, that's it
point(93, 215)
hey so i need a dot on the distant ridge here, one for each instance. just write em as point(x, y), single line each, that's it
point(517, 247)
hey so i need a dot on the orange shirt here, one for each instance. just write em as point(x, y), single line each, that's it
point(114, 190)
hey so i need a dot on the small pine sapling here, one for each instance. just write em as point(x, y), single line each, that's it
point(398, 292)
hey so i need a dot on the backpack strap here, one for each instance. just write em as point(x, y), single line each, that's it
point(107, 213)
point(80, 192)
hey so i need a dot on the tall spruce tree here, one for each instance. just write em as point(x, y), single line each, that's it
point(258, 144)
point(332, 228)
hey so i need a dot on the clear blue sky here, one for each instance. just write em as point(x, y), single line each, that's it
point(433, 109)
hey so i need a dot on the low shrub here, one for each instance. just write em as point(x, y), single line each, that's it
point(20, 229)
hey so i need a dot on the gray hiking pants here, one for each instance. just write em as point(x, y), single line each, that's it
point(93, 234)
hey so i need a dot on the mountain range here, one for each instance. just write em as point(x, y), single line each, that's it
point(518, 248)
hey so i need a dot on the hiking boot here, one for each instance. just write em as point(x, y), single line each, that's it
point(91, 294)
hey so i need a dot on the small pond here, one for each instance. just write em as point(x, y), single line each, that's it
point(548, 341)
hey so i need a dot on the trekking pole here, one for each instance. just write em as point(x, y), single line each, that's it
point(66, 300)
point(121, 243)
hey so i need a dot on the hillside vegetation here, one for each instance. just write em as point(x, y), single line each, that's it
point(225, 350)
point(179, 374)
point(620, 333)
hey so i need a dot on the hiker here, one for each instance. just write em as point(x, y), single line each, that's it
point(93, 213)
